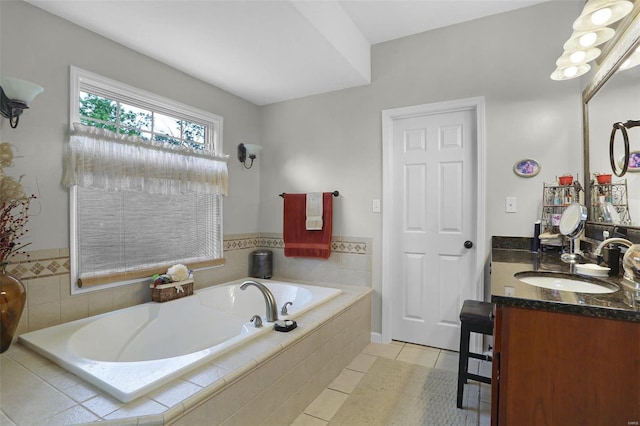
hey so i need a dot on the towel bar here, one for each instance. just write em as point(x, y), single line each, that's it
point(335, 194)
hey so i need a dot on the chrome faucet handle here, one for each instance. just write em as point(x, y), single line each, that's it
point(284, 310)
point(256, 320)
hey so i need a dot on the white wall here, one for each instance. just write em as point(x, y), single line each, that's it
point(324, 142)
point(39, 47)
point(333, 141)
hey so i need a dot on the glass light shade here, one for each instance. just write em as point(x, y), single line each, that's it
point(600, 13)
point(585, 39)
point(20, 90)
point(570, 72)
point(252, 149)
point(578, 57)
point(600, 16)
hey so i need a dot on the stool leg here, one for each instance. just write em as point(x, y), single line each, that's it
point(463, 363)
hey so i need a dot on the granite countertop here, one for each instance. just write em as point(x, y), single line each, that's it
point(623, 304)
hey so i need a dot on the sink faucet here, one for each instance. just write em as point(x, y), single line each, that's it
point(603, 244)
point(269, 299)
point(613, 260)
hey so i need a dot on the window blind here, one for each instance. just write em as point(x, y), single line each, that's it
point(128, 235)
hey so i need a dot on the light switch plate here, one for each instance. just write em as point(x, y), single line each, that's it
point(375, 206)
point(510, 205)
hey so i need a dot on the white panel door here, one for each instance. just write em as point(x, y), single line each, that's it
point(434, 169)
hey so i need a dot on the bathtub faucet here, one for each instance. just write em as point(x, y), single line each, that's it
point(269, 300)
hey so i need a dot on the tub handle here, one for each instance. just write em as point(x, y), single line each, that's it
point(256, 320)
point(284, 310)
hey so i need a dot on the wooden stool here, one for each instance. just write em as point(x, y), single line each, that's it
point(475, 317)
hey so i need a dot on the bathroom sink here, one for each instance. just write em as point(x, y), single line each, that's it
point(566, 282)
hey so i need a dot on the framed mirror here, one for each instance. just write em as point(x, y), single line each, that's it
point(613, 96)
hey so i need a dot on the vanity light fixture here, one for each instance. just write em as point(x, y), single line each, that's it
point(600, 13)
point(586, 39)
point(590, 30)
point(577, 57)
point(570, 72)
point(15, 96)
point(248, 151)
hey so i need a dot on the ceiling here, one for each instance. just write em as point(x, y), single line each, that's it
point(267, 51)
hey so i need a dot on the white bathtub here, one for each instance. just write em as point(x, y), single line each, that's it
point(131, 351)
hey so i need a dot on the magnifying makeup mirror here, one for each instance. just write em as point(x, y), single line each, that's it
point(572, 224)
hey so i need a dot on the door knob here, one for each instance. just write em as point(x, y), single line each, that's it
point(468, 244)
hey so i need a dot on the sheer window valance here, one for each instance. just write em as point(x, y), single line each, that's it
point(99, 158)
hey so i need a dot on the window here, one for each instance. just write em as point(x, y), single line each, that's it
point(146, 178)
point(98, 111)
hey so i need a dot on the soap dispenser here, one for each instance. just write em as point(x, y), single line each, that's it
point(612, 259)
point(631, 264)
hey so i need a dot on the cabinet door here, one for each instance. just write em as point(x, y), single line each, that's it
point(564, 369)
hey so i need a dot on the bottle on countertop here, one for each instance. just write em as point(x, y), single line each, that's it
point(536, 236)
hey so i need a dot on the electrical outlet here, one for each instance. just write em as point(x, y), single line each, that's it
point(509, 291)
point(375, 206)
point(510, 205)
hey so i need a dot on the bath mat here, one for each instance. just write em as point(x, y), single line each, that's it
point(398, 393)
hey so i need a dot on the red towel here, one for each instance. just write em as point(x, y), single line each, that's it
point(298, 242)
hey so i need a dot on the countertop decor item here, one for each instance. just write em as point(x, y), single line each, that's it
point(527, 167)
point(12, 299)
point(603, 178)
point(171, 291)
point(14, 209)
point(176, 283)
point(566, 179)
point(592, 270)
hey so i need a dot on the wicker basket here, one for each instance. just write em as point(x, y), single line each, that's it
point(171, 291)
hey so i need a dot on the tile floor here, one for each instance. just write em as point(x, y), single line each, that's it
point(327, 404)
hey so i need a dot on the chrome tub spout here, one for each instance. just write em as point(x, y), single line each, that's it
point(269, 299)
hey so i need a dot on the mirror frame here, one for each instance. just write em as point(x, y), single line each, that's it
point(619, 49)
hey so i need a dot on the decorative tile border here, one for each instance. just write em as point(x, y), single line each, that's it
point(348, 245)
point(234, 243)
point(32, 267)
point(40, 264)
point(272, 242)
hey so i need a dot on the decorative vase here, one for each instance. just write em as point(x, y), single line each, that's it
point(12, 299)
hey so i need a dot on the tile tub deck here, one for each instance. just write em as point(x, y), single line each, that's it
point(269, 380)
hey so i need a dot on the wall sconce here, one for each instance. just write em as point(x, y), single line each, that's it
point(15, 95)
point(250, 151)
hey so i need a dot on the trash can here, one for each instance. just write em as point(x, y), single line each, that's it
point(261, 264)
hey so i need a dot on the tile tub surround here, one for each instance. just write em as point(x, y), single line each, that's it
point(349, 263)
point(45, 274)
point(271, 379)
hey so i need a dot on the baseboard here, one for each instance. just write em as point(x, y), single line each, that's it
point(376, 337)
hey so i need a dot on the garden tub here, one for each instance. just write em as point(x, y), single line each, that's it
point(131, 351)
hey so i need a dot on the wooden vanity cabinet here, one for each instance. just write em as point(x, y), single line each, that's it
point(553, 368)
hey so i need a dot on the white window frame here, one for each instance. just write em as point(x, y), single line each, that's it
point(80, 79)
